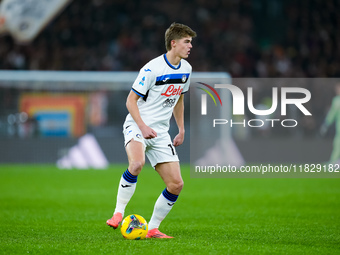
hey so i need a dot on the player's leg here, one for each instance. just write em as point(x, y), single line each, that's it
point(336, 150)
point(171, 174)
point(128, 181)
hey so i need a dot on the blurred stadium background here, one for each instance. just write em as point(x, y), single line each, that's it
point(40, 121)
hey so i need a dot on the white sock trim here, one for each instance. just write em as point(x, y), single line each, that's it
point(162, 207)
point(125, 191)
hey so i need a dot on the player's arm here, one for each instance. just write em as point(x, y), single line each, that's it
point(178, 113)
point(131, 105)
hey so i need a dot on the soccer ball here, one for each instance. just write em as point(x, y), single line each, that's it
point(134, 227)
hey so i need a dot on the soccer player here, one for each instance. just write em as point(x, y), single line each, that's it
point(333, 115)
point(156, 94)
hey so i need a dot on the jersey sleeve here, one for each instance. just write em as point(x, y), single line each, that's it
point(143, 82)
point(187, 84)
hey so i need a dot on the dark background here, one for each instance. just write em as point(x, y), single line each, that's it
point(251, 38)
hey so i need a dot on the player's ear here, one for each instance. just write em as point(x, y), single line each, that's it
point(173, 43)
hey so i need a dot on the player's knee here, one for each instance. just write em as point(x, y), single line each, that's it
point(135, 167)
point(180, 185)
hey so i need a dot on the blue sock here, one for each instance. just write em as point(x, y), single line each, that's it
point(129, 177)
point(169, 195)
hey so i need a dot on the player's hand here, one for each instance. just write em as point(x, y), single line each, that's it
point(148, 132)
point(178, 140)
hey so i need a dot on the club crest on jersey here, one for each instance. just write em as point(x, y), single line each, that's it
point(184, 78)
point(172, 91)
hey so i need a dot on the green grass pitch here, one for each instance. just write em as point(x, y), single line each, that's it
point(44, 210)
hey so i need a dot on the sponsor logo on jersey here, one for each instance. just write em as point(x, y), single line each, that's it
point(172, 91)
point(139, 136)
point(147, 70)
point(169, 102)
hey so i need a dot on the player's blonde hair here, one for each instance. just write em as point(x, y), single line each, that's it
point(177, 31)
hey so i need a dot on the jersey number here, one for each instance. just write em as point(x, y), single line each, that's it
point(172, 149)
